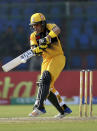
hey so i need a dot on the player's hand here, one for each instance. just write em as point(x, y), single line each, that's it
point(37, 50)
point(43, 43)
point(43, 46)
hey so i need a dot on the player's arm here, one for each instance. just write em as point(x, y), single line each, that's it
point(34, 46)
point(54, 32)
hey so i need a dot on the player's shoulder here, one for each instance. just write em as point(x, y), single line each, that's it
point(50, 25)
point(33, 34)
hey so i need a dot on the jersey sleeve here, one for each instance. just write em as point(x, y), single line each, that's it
point(51, 26)
point(33, 41)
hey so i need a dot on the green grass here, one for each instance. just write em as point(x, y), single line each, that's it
point(47, 125)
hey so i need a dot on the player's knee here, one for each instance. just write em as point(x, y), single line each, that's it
point(46, 78)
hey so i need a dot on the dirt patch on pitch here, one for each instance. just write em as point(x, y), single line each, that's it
point(45, 119)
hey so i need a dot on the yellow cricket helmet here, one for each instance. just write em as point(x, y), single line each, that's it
point(37, 18)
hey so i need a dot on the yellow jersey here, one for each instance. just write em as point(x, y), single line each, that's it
point(54, 48)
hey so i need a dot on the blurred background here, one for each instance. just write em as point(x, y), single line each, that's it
point(77, 20)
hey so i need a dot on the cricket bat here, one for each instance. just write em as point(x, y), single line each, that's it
point(18, 60)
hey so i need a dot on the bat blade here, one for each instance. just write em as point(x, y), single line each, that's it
point(12, 64)
point(17, 61)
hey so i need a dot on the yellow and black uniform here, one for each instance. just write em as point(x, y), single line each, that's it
point(45, 41)
point(53, 56)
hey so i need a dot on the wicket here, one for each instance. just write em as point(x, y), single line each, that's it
point(86, 80)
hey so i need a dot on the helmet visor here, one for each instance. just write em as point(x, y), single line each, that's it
point(35, 23)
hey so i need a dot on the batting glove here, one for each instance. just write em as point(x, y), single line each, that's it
point(37, 50)
point(43, 43)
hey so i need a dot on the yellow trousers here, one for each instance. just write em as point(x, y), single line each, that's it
point(55, 66)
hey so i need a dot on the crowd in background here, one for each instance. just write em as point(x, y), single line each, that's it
point(78, 23)
point(13, 44)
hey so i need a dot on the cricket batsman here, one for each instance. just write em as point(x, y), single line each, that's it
point(45, 41)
